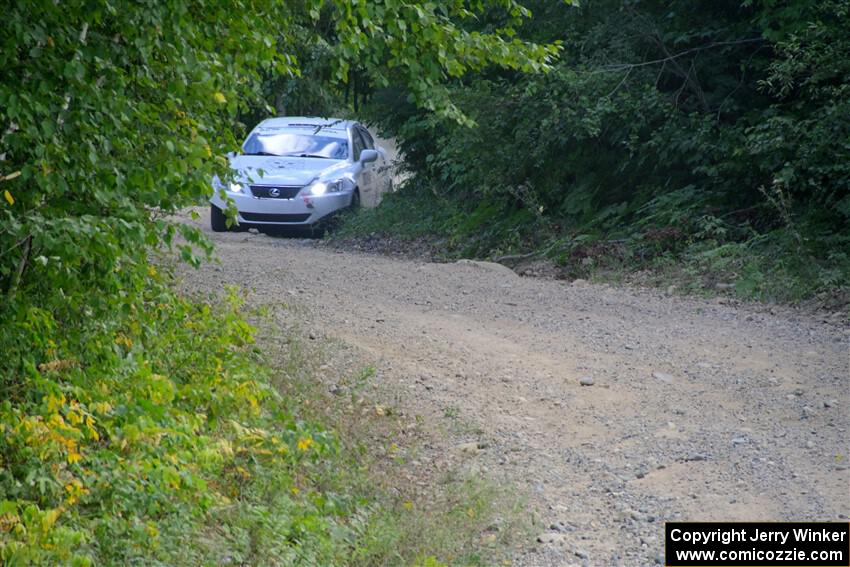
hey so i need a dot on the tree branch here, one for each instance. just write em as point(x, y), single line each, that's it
point(16, 277)
point(673, 57)
point(620, 84)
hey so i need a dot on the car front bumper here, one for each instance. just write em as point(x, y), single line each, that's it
point(298, 211)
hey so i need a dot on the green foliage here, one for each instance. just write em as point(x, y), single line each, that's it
point(112, 116)
point(150, 431)
point(109, 115)
point(348, 49)
point(452, 229)
point(411, 212)
point(138, 427)
point(718, 122)
point(423, 44)
point(128, 430)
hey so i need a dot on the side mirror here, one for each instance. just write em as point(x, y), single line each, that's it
point(368, 156)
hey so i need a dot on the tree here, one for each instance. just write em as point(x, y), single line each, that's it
point(113, 115)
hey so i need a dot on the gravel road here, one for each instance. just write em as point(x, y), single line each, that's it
point(612, 410)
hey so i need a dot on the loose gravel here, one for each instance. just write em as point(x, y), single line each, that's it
point(612, 410)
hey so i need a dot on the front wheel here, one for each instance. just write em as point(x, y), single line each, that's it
point(355, 200)
point(218, 221)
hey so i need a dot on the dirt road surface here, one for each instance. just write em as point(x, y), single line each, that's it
point(693, 410)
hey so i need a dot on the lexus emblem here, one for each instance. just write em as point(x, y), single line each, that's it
point(274, 192)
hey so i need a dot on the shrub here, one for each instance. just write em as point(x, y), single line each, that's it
point(127, 430)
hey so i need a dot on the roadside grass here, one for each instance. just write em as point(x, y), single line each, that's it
point(457, 518)
point(408, 213)
point(777, 266)
point(452, 229)
point(145, 427)
point(762, 269)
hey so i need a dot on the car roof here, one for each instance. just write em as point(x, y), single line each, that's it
point(335, 127)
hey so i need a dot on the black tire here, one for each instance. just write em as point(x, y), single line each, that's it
point(355, 200)
point(218, 222)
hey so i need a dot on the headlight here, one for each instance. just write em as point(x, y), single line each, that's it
point(231, 187)
point(319, 188)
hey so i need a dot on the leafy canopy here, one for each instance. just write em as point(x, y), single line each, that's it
point(711, 122)
point(114, 114)
point(127, 414)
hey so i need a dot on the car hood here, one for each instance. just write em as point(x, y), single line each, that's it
point(274, 170)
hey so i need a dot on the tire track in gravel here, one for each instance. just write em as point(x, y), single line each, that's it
point(698, 411)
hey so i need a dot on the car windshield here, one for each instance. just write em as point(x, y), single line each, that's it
point(302, 145)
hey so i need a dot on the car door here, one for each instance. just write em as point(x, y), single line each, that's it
point(367, 179)
point(382, 165)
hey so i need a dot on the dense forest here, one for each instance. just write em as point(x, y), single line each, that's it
point(705, 139)
point(139, 425)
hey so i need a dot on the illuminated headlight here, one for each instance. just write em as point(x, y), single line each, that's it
point(319, 188)
point(231, 187)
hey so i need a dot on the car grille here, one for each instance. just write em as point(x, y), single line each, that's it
point(285, 192)
point(268, 217)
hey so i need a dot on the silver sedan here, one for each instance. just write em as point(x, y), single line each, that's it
point(298, 171)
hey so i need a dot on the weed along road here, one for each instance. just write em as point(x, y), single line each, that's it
point(609, 410)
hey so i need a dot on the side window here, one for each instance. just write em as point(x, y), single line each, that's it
point(358, 143)
point(367, 138)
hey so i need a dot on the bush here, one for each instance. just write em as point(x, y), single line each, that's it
point(128, 430)
point(721, 121)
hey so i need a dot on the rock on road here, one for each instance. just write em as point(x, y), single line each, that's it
point(612, 409)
